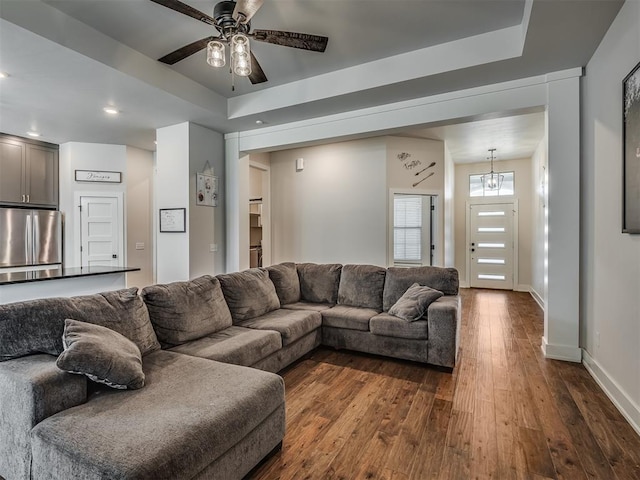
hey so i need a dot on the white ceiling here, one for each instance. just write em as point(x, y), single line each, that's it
point(69, 58)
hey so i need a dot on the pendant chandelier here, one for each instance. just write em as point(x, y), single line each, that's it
point(492, 180)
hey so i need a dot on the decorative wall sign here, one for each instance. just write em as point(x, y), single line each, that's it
point(631, 144)
point(206, 190)
point(173, 220)
point(98, 176)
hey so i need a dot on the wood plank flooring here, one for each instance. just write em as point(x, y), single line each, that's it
point(503, 413)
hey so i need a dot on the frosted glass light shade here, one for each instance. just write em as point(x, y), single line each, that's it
point(215, 54)
point(240, 55)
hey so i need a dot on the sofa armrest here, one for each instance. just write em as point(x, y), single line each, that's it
point(443, 317)
point(33, 388)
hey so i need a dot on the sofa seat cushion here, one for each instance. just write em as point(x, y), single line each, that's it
point(313, 307)
point(361, 286)
point(237, 345)
point(285, 278)
point(392, 326)
point(183, 311)
point(292, 324)
point(249, 293)
point(319, 283)
point(344, 316)
point(191, 411)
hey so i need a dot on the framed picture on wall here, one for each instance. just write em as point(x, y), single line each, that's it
point(206, 190)
point(173, 220)
point(631, 153)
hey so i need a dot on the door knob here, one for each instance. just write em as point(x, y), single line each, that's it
point(473, 249)
point(114, 256)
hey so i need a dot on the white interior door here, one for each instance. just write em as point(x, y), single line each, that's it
point(100, 231)
point(491, 245)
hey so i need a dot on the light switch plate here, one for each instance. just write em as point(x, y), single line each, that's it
point(139, 245)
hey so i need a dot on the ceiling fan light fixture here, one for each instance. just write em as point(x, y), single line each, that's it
point(240, 55)
point(215, 54)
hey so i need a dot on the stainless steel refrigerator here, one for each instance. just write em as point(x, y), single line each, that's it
point(30, 237)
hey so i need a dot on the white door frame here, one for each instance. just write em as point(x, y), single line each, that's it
point(436, 234)
point(492, 201)
point(77, 225)
point(266, 211)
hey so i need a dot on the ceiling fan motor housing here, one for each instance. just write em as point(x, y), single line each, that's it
point(225, 23)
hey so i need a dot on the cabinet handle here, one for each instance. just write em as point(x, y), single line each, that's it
point(28, 201)
point(23, 198)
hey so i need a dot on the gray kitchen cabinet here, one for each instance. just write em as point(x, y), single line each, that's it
point(28, 172)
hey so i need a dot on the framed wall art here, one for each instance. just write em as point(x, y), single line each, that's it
point(631, 153)
point(206, 190)
point(173, 220)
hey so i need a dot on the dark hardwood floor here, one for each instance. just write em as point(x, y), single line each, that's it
point(505, 412)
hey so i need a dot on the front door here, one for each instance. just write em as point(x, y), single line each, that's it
point(491, 245)
point(100, 232)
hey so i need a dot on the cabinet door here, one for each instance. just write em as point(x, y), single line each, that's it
point(12, 171)
point(42, 176)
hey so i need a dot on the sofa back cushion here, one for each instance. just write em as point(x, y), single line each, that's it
point(184, 311)
point(249, 294)
point(398, 280)
point(319, 283)
point(285, 278)
point(36, 326)
point(362, 286)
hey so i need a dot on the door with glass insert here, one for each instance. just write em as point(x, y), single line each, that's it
point(491, 246)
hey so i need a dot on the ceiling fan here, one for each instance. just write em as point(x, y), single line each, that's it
point(232, 20)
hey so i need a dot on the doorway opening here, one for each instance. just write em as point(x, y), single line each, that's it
point(493, 246)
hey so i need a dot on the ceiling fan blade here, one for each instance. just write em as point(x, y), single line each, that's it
point(257, 75)
point(186, 51)
point(186, 10)
point(304, 41)
point(245, 9)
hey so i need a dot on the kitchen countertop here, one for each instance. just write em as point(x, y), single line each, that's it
point(58, 273)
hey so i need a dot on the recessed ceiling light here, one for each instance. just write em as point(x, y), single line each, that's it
point(4, 74)
point(111, 110)
point(259, 122)
point(155, 142)
point(33, 134)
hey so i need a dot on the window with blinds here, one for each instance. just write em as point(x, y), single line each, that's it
point(407, 229)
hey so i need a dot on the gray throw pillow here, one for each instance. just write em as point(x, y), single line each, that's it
point(102, 354)
point(414, 303)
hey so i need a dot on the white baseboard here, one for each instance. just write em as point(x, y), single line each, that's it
point(464, 285)
point(627, 407)
point(537, 297)
point(522, 288)
point(567, 353)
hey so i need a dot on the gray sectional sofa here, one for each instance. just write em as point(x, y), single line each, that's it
point(210, 406)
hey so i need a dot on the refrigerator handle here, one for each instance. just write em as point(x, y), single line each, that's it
point(35, 256)
point(28, 240)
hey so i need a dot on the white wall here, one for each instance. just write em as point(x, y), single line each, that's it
point(206, 224)
point(449, 209)
point(86, 156)
point(522, 171)
point(335, 209)
point(610, 260)
point(139, 201)
point(538, 210)
point(172, 191)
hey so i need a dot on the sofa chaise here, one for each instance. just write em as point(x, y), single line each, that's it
point(211, 405)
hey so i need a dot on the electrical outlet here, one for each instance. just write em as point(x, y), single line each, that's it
point(213, 247)
point(597, 339)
